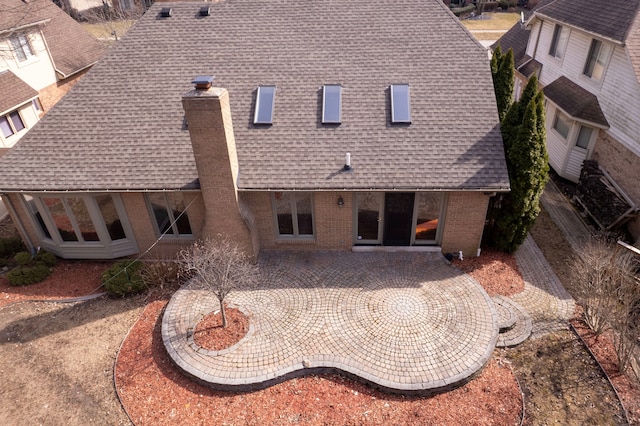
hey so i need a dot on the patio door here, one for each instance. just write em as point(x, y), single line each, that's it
point(398, 218)
point(369, 218)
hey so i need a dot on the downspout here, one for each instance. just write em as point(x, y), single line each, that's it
point(21, 230)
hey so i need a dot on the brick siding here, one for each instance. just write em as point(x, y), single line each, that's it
point(464, 222)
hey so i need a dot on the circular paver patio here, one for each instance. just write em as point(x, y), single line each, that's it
point(405, 322)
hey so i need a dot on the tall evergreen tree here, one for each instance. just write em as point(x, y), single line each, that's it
point(513, 214)
point(503, 83)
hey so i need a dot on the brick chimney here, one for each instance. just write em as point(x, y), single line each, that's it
point(208, 118)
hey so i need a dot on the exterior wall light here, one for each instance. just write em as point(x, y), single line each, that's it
point(340, 201)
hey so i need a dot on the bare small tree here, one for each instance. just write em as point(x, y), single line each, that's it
point(596, 284)
point(219, 266)
point(610, 294)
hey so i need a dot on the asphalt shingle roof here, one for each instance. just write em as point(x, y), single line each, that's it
point(608, 18)
point(575, 100)
point(72, 47)
point(121, 127)
point(15, 92)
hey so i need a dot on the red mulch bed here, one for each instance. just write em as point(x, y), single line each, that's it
point(69, 279)
point(154, 392)
point(496, 271)
point(210, 334)
point(603, 349)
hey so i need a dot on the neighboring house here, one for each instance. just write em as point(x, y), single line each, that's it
point(135, 154)
point(42, 54)
point(586, 55)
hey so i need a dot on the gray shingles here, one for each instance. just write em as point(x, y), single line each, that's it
point(121, 126)
point(575, 100)
point(15, 92)
point(611, 18)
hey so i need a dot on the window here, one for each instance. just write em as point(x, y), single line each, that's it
point(584, 137)
point(558, 42)
point(168, 210)
point(400, 105)
point(21, 47)
point(294, 213)
point(596, 61)
point(81, 226)
point(265, 100)
point(11, 124)
point(561, 124)
point(331, 103)
point(428, 215)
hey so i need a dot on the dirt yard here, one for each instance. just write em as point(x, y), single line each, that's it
point(58, 368)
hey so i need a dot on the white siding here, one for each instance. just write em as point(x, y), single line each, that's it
point(574, 164)
point(38, 71)
point(620, 100)
point(531, 46)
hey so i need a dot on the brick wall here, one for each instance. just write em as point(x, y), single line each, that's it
point(145, 233)
point(623, 166)
point(464, 222)
point(15, 200)
point(333, 224)
point(50, 95)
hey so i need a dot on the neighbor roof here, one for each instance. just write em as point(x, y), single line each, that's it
point(72, 48)
point(576, 101)
point(15, 92)
point(611, 19)
point(122, 126)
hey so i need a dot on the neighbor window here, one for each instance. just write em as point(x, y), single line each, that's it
point(596, 61)
point(558, 42)
point(561, 124)
point(11, 123)
point(21, 47)
point(294, 213)
point(584, 137)
point(169, 213)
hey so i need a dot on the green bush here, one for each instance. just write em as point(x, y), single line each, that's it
point(23, 258)
point(25, 275)
point(124, 278)
point(506, 4)
point(10, 246)
point(30, 270)
point(47, 258)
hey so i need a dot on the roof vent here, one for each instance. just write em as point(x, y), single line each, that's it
point(202, 82)
point(166, 12)
point(205, 11)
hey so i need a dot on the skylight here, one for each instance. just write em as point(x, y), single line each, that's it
point(331, 103)
point(265, 100)
point(400, 104)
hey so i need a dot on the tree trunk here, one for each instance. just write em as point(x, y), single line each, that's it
point(224, 315)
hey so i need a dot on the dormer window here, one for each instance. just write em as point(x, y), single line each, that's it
point(265, 101)
point(599, 54)
point(21, 47)
point(400, 104)
point(332, 104)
